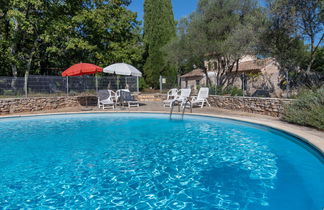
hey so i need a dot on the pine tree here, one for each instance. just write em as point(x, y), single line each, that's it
point(159, 29)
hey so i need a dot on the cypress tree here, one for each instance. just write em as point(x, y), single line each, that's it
point(159, 29)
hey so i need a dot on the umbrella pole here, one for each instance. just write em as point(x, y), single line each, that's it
point(85, 89)
point(137, 84)
point(67, 85)
point(117, 82)
point(86, 95)
point(96, 83)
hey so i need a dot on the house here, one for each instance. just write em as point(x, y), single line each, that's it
point(258, 77)
point(195, 79)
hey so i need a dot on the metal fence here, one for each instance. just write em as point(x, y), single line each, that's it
point(56, 85)
point(166, 83)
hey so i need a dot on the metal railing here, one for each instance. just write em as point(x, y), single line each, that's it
point(173, 103)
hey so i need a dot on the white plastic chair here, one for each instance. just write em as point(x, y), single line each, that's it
point(181, 99)
point(106, 98)
point(118, 94)
point(201, 99)
point(171, 95)
point(127, 98)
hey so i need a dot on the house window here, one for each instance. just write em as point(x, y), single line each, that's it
point(186, 83)
point(197, 82)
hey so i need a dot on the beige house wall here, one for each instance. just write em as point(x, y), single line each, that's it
point(190, 82)
point(267, 80)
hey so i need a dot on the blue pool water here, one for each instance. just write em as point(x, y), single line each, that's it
point(142, 161)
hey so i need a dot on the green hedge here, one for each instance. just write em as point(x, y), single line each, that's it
point(307, 109)
point(230, 90)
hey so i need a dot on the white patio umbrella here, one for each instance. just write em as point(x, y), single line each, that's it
point(122, 69)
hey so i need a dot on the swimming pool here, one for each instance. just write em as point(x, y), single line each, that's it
point(142, 161)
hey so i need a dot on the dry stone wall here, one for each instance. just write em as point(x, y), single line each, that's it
point(266, 106)
point(150, 97)
point(16, 105)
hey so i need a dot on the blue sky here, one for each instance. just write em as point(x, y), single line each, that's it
point(181, 8)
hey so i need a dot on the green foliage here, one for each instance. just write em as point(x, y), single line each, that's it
point(229, 90)
point(307, 109)
point(57, 34)
point(159, 29)
point(179, 51)
point(318, 65)
point(222, 30)
point(294, 37)
point(142, 84)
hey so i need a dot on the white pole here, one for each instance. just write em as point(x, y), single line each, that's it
point(179, 81)
point(160, 83)
point(137, 84)
point(117, 82)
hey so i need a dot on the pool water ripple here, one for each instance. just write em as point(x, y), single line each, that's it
point(143, 161)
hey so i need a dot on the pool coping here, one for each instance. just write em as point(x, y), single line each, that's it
point(314, 141)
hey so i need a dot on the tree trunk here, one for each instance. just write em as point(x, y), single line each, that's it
point(28, 66)
point(12, 54)
point(208, 83)
point(27, 75)
point(313, 52)
point(13, 69)
point(310, 64)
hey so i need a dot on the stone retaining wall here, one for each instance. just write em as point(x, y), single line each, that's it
point(150, 97)
point(266, 106)
point(17, 105)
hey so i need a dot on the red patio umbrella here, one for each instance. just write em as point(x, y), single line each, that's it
point(81, 69)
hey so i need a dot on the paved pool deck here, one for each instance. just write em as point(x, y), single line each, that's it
point(312, 136)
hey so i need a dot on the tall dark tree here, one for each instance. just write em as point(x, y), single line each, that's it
point(159, 29)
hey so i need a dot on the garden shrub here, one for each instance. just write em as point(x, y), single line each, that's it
point(215, 90)
point(142, 84)
point(307, 109)
point(234, 91)
point(230, 90)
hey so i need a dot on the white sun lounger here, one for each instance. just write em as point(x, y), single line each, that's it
point(201, 99)
point(180, 99)
point(127, 98)
point(106, 98)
